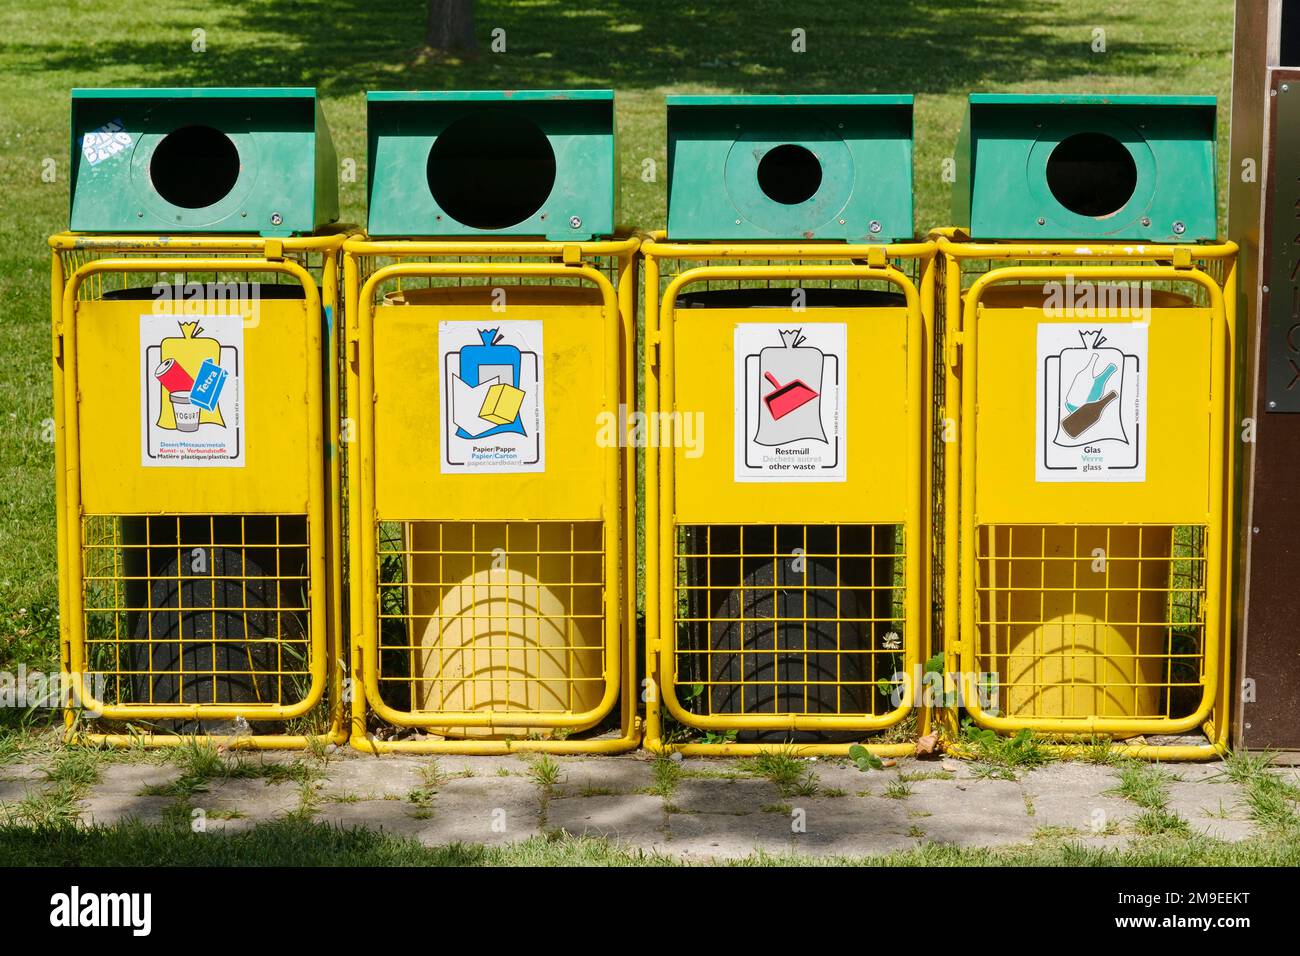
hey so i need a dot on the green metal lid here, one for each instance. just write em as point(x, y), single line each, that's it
point(247, 160)
point(492, 163)
point(1087, 167)
point(790, 168)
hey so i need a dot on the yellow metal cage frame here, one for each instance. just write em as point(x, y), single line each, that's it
point(1212, 269)
point(78, 265)
point(609, 266)
point(733, 263)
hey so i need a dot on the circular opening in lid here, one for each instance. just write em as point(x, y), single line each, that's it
point(491, 169)
point(789, 174)
point(1091, 174)
point(194, 167)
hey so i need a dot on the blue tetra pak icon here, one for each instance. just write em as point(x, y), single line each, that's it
point(208, 385)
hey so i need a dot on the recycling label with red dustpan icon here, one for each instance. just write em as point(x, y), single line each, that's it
point(1091, 421)
point(192, 391)
point(790, 402)
point(492, 397)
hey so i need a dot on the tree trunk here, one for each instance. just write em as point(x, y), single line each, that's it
point(450, 25)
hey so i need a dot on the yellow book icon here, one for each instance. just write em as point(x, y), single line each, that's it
point(501, 406)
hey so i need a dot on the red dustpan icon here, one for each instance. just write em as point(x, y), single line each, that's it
point(787, 397)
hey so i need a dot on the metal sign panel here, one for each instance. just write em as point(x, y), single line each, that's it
point(1282, 249)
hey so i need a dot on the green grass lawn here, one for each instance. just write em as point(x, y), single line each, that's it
point(298, 843)
point(938, 49)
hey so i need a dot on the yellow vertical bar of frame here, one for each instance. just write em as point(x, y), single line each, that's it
point(654, 636)
point(361, 534)
point(333, 315)
point(952, 637)
point(968, 638)
point(924, 422)
point(627, 298)
point(666, 466)
point(1219, 722)
point(60, 476)
point(916, 531)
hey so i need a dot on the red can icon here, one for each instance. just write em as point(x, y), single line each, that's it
point(173, 377)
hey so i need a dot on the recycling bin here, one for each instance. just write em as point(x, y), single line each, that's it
point(787, 487)
point(196, 409)
point(1090, 321)
point(490, 362)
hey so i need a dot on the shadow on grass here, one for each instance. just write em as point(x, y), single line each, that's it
point(348, 46)
point(300, 843)
point(283, 843)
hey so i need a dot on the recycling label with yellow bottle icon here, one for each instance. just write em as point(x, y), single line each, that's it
point(1092, 402)
point(493, 409)
point(192, 391)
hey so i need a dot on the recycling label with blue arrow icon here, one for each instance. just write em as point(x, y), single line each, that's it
point(492, 397)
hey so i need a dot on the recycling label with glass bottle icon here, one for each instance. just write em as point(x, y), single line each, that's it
point(790, 402)
point(1092, 402)
point(492, 397)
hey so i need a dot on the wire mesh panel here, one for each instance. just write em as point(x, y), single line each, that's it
point(1091, 620)
point(790, 619)
point(500, 616)
point(198, 609)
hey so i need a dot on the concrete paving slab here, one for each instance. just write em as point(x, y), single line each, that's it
point(1068, 776)
point(971, 813)
point(108, 808)
point(851, 826)
point(489, 810)
point(1230, 831)
point(460, 765)
point(242, 803)
point(705, 836)
point(593, 776)
point(843, 777)
point(133, 778)
point(1194, 772)
point(695, 795)
point(1200, 801)
point(23, 771)
point(372, 778)
point(637, 820)
point(16, 791)
point(390, 816)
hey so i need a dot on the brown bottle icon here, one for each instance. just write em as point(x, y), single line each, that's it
point(1085, 416)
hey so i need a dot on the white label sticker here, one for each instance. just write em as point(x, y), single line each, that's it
point(1091, 422)
point(105, 142)
point(192, 391)
point(789, 402)
point(493, 403)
